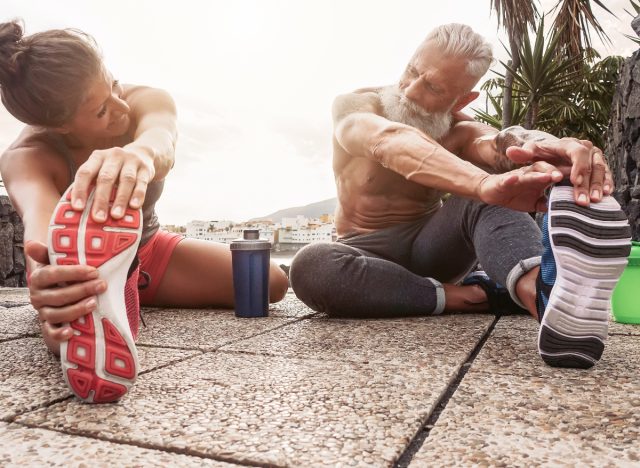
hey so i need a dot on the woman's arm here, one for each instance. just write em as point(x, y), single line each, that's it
point(148, 157)
point(156, 132)
point(29, 177)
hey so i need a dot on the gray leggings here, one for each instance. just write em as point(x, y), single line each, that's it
point(398, 271)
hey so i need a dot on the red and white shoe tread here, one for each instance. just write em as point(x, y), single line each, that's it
point(99, 362)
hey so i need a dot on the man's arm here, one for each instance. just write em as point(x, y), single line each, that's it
point(361, 131)
point(515, 147)
point(486, 147)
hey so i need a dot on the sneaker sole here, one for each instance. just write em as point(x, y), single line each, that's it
point(100, 361)
point(590, 246)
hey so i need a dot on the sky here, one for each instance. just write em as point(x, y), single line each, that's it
point(254, 80)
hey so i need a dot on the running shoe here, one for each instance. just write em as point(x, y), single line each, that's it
point(585, 253)
point(100, 361)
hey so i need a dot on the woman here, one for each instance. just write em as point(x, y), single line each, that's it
point(113, 144)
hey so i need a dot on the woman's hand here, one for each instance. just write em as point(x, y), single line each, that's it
point(60, 294)
point(130, 169)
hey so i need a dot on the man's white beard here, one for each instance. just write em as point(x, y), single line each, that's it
point(398, 108)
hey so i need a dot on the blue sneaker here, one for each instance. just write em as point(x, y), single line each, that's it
point(585, 252)
point(500, 301)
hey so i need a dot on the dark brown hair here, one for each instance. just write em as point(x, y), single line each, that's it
point(43, 76)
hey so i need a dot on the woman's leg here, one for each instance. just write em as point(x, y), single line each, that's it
point(199, 274)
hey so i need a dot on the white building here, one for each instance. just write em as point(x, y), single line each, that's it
point(295, 223)
point(225, 233)
point(197, 229)
point(323, 233)
point(200, 229)
point(299, 230)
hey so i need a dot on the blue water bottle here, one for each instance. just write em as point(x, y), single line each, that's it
point(250, 257)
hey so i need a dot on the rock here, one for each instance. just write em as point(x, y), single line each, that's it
point(12, 261)
point(18, 228)
point(18, 259)
point(12, 282)
point(6, 249)
point(623, 142)
point(635, 24)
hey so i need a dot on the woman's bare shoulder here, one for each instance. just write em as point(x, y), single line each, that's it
point(143, 95)
point(32, 153)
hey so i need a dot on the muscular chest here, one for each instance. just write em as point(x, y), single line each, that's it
point(369, 177)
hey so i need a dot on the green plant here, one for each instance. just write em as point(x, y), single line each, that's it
point(574, 22)
point(565, 97)
point(516, 16)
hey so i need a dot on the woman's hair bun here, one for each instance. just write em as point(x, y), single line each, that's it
point(10, 36)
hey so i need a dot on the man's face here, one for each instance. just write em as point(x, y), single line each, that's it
point(435, 82)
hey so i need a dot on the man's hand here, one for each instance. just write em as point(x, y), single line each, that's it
point(130, 170)
point(60, 294)
point(584, 162)
point(521, 189)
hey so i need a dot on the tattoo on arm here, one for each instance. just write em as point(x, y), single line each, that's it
point(514, 136)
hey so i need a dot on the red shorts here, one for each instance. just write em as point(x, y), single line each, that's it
point(154, 257)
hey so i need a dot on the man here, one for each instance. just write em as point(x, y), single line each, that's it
point(401, 251)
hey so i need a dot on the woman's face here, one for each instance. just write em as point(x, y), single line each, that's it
point(103, 113)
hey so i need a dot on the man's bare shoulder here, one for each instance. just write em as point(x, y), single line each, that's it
point(360, 100)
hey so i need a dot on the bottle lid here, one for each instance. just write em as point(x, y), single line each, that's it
point(250, 240)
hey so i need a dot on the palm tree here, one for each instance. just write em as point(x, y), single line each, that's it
point(516, 16)
point(562, 97)
point(574, 21)
point(542, 75)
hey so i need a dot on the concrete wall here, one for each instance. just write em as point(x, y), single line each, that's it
point(12, 264)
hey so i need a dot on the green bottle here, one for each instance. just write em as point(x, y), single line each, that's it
point(625, 302)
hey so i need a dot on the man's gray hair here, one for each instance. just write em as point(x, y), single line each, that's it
point(459, 40)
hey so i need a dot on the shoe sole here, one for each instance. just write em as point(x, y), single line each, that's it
point(100, 361)
point(590, 246)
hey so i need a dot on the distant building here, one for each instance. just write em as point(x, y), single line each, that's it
point(291, 234)
point(174, 228)
point(326, 218)
point(287, 238)
point(226, 231)
point(295, 223)
point(197, 229)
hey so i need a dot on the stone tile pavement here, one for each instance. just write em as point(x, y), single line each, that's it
point(299, 389)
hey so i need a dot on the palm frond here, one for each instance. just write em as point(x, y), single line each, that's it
point(632, 38)
point(574, 21)
point(485, 117)
point(636, 6)
point(541, 72)
point(515, 15)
